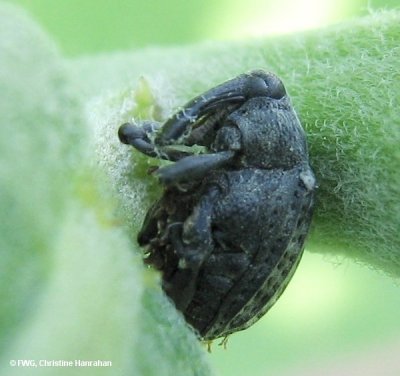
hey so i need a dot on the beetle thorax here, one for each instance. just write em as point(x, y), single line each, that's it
point(271, 134)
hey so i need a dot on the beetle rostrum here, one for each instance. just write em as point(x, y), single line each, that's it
point(229, 230)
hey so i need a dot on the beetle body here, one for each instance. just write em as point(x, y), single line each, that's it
point(229, 230)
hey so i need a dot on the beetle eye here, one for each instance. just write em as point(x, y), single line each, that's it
point(275, 87)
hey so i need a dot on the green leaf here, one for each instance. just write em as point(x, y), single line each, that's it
point(70, 286)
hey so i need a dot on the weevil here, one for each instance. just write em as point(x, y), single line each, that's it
point(229, 230)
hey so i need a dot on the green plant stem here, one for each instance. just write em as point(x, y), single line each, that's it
point(344, 82)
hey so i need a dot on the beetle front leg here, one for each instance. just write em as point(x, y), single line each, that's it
point(192, 243)
point(193, 168)
point(139, 138)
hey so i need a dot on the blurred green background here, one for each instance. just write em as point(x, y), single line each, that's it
point(335, 313)
point(82, 27)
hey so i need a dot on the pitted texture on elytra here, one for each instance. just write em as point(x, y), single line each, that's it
point(229, 230)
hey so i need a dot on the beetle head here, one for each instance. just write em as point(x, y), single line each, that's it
point(256, 83)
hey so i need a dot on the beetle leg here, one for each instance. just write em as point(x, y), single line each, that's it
point(193, 243)
point(149, 228)
point(194, 167)
point(236, 91)
point(139, 138)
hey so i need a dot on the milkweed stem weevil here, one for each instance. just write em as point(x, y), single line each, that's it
point(228, 232)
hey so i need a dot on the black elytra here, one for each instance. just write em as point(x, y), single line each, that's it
point(229, 230)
